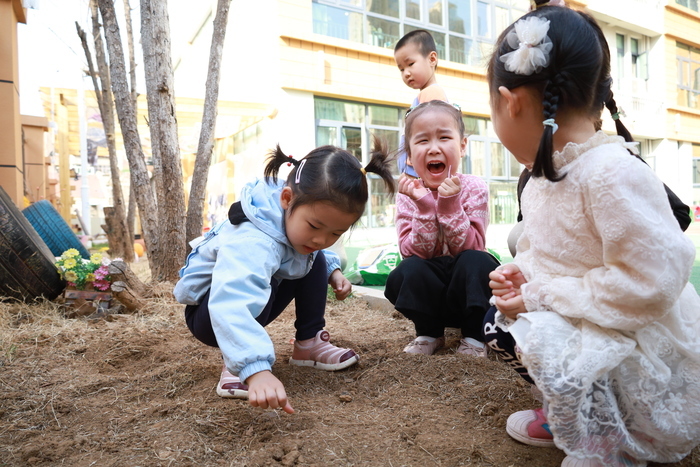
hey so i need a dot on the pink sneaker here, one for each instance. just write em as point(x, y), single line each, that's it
point(319, 353)
point(422, 347)
point(230, 386)
point(467, 347)
point(530, 427)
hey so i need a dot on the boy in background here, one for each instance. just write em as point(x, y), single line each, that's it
point(416, 56)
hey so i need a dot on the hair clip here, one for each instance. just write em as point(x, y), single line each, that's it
point(297, 177)
point(530, 44)
point(291, 159)
point(364, 172)
point(615, 116)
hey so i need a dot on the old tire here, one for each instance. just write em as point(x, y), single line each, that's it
point(51, 227)
point(27, 269)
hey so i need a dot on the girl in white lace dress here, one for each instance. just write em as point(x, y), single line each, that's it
point(597, 298)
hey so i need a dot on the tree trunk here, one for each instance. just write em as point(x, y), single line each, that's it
point(121, 244)
point(132, 143)
point(170, 193)
point(131, 211)
point(132, 57)
point(195, 205)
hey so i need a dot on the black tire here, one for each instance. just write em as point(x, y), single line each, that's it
point(51, 227)
point(27, 269)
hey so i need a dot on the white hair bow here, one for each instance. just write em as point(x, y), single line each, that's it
point(531, 46)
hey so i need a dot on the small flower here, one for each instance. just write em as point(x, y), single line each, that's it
point(70, 253)
point(96, 258)
point(101, 285)
point(90, 277)
point(70, 263)
point(71, 276)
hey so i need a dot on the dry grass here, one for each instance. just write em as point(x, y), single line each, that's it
point(139, 390)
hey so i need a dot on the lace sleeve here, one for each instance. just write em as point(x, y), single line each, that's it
point(646, 259)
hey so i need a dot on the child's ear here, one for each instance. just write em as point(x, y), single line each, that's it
point(463, 147)
point(513, 100)
point(433, 58)
point(286, 197)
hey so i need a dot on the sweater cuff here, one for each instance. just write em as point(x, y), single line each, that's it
point(252, 368)
point(448, 204)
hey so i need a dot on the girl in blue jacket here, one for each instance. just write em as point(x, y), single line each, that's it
point(246, 270)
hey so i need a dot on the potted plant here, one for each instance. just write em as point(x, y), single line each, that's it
point(87, 279)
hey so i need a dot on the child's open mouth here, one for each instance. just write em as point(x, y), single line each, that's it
point(436, 167)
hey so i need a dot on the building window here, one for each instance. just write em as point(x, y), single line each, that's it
point(696, 166)
point(489, 159)
point(353, 125)
point(692, 4)
point(464, 30)
point(620, 46)
point(688, 61)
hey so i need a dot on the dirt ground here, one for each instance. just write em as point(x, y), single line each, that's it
point(139, 390)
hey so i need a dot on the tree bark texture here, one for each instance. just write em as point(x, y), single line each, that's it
point(160, 93)
point(195, 205)
point(121, 244)
point(131, 211)
point(119, 271)
point(132, 143)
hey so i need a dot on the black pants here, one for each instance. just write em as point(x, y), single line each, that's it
point(443, 292)
point(503, 344)
point(309, 294)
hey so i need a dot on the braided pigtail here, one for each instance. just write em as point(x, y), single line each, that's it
point(275, 159)
point(544, 165)
point(380, 164)
point(619, 126)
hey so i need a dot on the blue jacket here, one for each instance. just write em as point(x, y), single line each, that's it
point(238, 262)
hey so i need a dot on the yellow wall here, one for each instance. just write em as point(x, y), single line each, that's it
point(331, 67)
point(682, 25)
point(11, 177)
point(35, 160)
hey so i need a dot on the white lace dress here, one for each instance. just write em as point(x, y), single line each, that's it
point(612, 333)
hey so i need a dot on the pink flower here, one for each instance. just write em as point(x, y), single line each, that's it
point(101, 272)
point(101, 285)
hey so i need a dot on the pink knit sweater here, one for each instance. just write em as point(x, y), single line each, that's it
point(436, 226)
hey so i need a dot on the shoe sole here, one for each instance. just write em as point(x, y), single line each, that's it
point(326, 366)
point(541, 443)
point(232, 393)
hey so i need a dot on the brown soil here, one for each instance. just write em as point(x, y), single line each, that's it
point(139, 390)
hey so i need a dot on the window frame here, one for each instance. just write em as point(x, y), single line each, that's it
point(471, 38)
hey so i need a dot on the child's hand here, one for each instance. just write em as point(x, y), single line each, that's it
point(265, 390)
point(506, 280)
point(512, 306)
point(411, 187)
point(340, 284)
point(450, 186)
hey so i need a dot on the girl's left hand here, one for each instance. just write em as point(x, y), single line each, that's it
point(450, 186)
point(512, 306)
point(341, 285)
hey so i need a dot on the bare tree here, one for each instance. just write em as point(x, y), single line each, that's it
point(132, 144)
point(195, 205)
point(120, 244)
point(165, 147)
point(131, 212)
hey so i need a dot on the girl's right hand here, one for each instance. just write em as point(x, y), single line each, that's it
point(411, 187)
point(265, 390)
point(506, 280)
